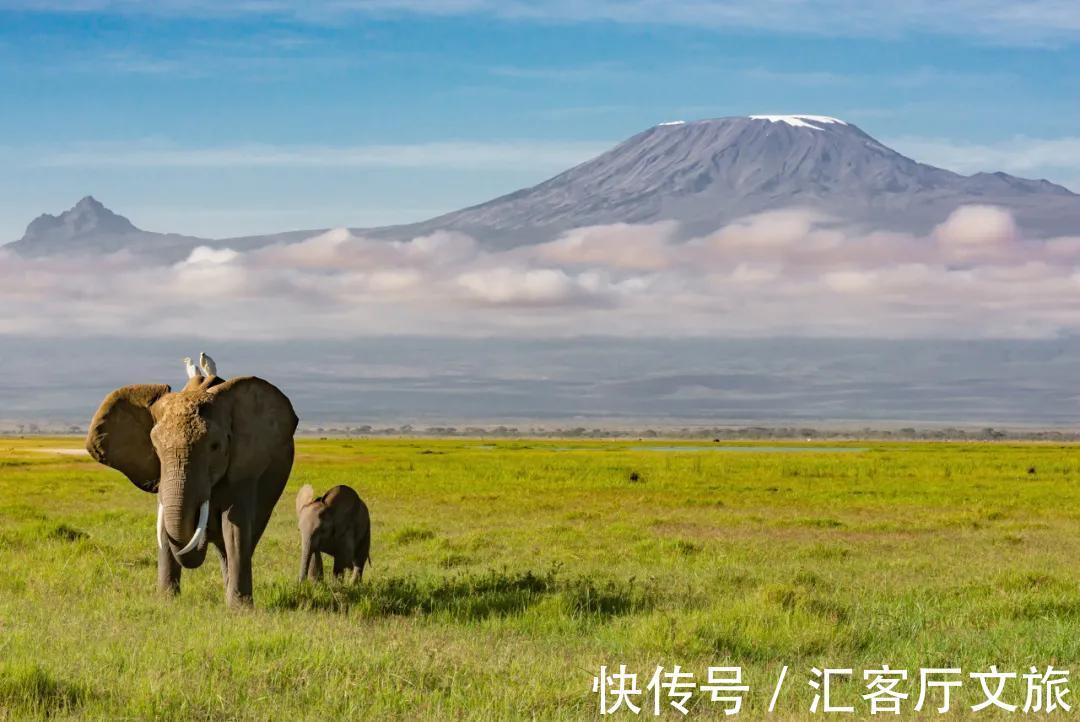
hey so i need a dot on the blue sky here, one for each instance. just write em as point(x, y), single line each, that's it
point(222, 119)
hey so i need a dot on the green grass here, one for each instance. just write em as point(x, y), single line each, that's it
point(504, 574)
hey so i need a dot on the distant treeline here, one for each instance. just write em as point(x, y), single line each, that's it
point(745, 433)
point(726, 433)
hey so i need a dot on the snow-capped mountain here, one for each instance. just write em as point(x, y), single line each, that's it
point(703, 174)
point(707, 173)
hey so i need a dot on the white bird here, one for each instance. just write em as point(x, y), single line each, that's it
point(208, 366)
point(192, 369)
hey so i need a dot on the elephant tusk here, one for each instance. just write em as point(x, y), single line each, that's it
point(160, 526)
point(196, 539)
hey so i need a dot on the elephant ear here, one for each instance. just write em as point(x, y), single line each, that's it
point(119, 434)
point(304, 497)
point(262, 422)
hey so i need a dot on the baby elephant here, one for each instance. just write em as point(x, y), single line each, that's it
point(338, 524)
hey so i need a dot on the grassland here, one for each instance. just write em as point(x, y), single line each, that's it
point(506, 573)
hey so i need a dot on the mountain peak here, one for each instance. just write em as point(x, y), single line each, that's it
point(89, 203)
point(88, 216)
point(814, 122)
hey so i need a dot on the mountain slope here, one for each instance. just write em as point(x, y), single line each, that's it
point(707, 173)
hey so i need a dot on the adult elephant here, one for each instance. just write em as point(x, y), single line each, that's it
point(217, 454)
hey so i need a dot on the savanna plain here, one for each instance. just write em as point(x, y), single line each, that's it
point(506, 573)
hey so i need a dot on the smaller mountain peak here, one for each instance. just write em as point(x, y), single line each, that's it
point(801, 121)
point(86, 217)
point(89, 207)
point(89, 202)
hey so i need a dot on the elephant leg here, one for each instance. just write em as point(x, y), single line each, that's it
point(343, 558)
point(315, 569)
point(360, 559)
point(236, 531)
point(271, 485)
point(168, 572)
point(341, 563)
point(224, 558)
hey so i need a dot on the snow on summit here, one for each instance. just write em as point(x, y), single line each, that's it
point(800, 121)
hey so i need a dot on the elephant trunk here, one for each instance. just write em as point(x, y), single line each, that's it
point(178, 514)
point(196, 538)
point(182, 514)
point(305, 556)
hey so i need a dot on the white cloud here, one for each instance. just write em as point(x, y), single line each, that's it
point(977, 231)
point(497, 155)
point(795, 229)
point(620, 245)
point(340, 249)
point(851, 281)
point(527, 287)
point(206, 256)
point(780, 273)
point(1003, 21)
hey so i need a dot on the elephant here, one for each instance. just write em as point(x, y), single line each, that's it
point(217, 453)
point(338, 524)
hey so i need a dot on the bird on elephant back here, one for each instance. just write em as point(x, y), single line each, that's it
point(217, 453)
